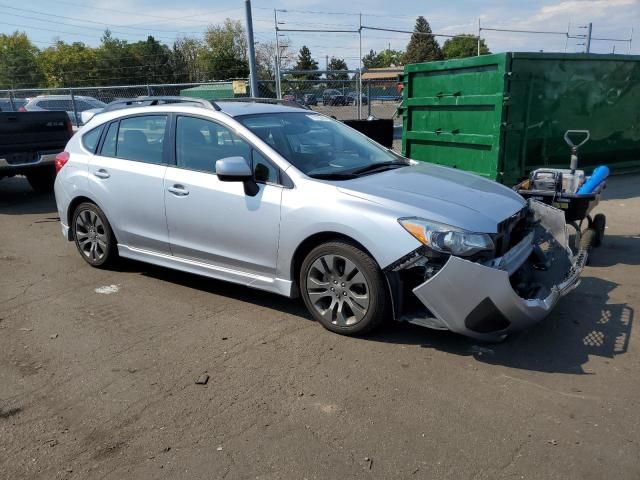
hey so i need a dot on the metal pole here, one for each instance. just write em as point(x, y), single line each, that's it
point(630, 40)
point(275, 24)
point(13, 105)
point(360, 70)
point(479, 32)
point(75, 110)
point(369, 98)
point(566, 41)
point(253, 74)
point(588, 47)
point(148, 90)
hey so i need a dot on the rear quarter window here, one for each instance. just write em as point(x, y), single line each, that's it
point(91, 138)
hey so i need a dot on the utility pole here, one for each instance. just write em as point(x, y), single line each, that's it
point(326, 62)
point(275, 24)
point(253, 78)
point(479, 31)
point(360, 71)
point(588, 46)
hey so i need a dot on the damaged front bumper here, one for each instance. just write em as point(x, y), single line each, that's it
point(487, 300)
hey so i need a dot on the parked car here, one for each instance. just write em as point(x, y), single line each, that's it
point(29, 143)
point(333, 97)
point(290, 201)
point(5, 104)
point(63, 103)
point(352, 99)
point(310, 99)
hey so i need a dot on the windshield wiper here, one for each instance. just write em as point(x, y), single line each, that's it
point(379, 167)
point(333, 176)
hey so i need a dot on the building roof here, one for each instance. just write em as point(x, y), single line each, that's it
point(388, 73)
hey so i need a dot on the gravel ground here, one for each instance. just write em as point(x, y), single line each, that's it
point(98, 372)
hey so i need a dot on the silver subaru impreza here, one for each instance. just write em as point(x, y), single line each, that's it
point(282, 199)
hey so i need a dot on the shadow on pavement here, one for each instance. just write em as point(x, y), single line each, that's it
point(18, 198)
point(218, 287)
point(616, 250)
point(582, 324)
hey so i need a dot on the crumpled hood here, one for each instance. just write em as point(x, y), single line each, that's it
point(440, 194)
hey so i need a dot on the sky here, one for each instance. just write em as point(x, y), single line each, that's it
point(84, 20)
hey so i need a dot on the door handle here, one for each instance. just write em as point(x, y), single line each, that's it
point(178, 190)
point(102, 173)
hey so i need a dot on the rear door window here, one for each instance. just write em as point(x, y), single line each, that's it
point(141, 138)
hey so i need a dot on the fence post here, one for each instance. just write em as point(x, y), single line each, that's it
point(75, 110)
point(148, 90)
point(13, 105)
point(368, 98)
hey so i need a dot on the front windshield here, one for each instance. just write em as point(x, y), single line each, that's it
point(318, 145)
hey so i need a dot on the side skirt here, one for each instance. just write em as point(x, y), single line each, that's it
point(275, 285)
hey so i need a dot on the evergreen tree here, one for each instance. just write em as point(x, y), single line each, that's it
point(306, 62)
point(423, 47)
point(335, 65)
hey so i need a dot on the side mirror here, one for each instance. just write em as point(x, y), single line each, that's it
point(237, 169)
point(233, 169)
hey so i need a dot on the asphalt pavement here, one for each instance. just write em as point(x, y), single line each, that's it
point(98, 374)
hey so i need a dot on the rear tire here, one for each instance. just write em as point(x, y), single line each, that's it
point(344, 289)
point(93, 236)
point(42, 179)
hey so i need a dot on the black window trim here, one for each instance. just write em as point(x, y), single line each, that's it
point(283, 179)
point(165, 160)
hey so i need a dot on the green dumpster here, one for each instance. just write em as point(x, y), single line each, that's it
point(210, 91)
point(503, 115)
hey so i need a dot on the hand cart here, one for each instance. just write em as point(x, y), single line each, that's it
point(577, 207)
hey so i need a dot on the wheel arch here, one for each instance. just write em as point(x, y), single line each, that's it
point(312, 242)
point(73, 204)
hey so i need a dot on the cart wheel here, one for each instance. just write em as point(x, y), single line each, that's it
point(599, 224)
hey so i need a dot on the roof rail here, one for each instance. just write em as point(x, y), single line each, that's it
point(275, 101)
point(146, 101)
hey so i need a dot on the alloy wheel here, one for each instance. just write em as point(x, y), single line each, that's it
point(91, 235)
point(338, 290)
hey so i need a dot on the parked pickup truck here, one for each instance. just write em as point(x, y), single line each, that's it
point(29, 142)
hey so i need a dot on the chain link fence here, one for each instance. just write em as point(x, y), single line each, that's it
point(337, 98)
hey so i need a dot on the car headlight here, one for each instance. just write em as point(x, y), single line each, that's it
point(445, 238)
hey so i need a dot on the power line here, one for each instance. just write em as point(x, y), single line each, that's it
point(86, 27)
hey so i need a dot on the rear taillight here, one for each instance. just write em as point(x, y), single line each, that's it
point(22, 109)
point(61, 160)
point(70, 127)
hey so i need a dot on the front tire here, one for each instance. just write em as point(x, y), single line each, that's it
point(344, 289)
point(93, 236)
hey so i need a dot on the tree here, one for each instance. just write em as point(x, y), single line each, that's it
point(225, 51)
point(423, 47)
point(114, 64)
point(337, 64)
point(19, 67)
point(384, 59)
point(306, 62)
point(152, 59)
point(69, 65)
point(185, 60)
point(462, 46)
point(266, 60)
